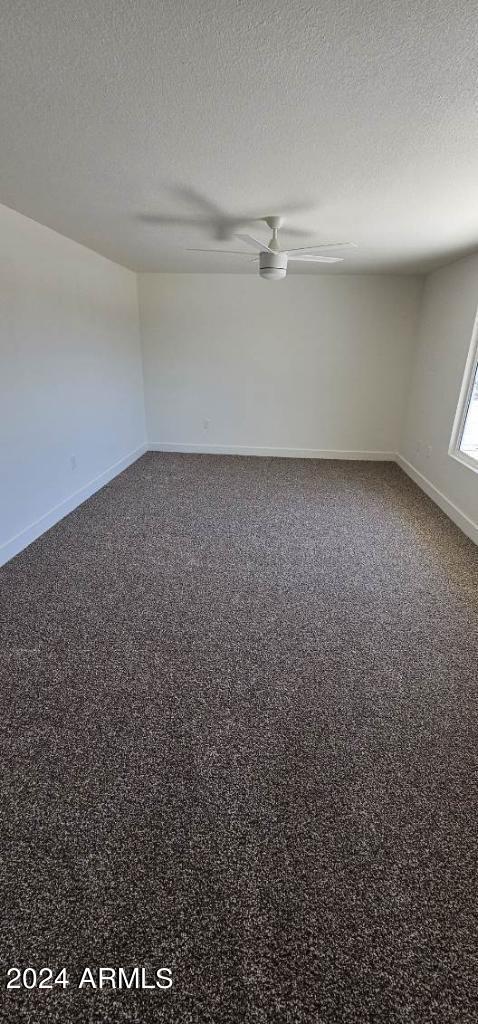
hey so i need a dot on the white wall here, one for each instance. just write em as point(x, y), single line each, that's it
point(309, 364)
point(70, 376)
point(448, 311)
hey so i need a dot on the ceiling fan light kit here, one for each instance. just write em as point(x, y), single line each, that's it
point(272, 266)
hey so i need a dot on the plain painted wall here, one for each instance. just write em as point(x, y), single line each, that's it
point(70, 370)
point(317, 363)
point(448, 311)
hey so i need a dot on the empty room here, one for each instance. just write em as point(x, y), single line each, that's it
point(239, 512)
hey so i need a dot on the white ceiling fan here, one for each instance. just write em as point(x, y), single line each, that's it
point(272, 259)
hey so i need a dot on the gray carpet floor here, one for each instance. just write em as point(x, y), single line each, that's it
point(239, 739)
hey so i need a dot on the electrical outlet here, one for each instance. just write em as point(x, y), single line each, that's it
point(205, 424)
point(428, 450)
point(73, 462)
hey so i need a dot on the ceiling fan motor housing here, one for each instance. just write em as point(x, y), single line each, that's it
point(273, 265)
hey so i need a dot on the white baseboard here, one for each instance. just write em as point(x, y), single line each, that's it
point(21, 540)
point(287, 453)
point(451, 510)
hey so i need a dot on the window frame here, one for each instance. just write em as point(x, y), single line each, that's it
point(468, 383)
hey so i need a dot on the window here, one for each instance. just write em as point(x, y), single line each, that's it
point(469, 438)
point(464, 442)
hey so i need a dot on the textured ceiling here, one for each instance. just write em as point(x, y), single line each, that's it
point(114, 110)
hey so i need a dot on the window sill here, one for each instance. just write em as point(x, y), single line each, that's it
point(465, 460)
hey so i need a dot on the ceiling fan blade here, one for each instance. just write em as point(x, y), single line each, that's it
point(225, 252)
point(262, 246)
point(325, 245)
point(315, 259)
